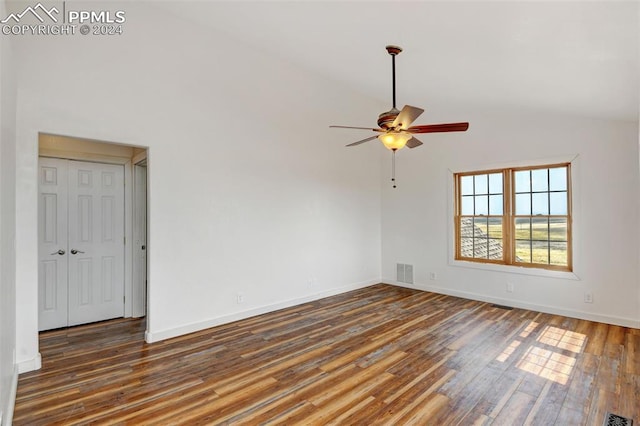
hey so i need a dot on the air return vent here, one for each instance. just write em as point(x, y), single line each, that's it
point(616, 420)
point(404, 273)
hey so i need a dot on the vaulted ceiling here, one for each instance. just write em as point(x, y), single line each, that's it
point(574, 57)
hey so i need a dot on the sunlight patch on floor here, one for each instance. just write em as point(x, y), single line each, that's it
point(508, 351)
point(552, 356)
point(562, 339)
point(547, 364)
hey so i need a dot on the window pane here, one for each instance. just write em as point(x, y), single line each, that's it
point(466, 185)
point(558, 253)
point(495, 249)
point(466, 228)
point(495, 205)
point(523, 252)
point(558, 201)
point(539, 180)
point(522, 181)
point(466, 247)
point(467, 205)
point(481, 227)
point(523, 204)
point(558, 229)
point(540, 252)
point(482, 204)
point(481, 185)
point(480, 248)
point(540, 229)
point(523, 228)
point(540, 203)
point(495, 183)
point(558, 179)
point(495, 227)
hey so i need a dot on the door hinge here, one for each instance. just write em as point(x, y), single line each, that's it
point(124, 240)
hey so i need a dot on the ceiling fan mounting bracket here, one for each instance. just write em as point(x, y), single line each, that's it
point(394, 50)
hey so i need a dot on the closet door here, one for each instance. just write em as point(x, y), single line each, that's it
point(96, 242)
point(81, 250)
point(53, 251)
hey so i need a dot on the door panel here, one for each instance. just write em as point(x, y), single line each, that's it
point(81, 212)
point(52, 236)
point(96, 242)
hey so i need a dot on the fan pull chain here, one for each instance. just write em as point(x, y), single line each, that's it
point(393, 168)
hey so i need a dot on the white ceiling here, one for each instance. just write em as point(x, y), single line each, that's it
point(572, 57)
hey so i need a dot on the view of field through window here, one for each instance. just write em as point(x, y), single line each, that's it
point(538, 217)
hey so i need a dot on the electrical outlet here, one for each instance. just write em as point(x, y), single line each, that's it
point(433, 276)
point(509, 287)
point(588, 297)
point(240, 298)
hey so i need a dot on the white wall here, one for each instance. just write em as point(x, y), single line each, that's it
point(605, 182)
point(249, 190)
point(8, 371)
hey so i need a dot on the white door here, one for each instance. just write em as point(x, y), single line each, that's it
point(53, 244)
point(92, 239)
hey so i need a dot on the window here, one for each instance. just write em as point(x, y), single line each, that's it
point(515, 216)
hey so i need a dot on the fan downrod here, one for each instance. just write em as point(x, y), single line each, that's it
point(386, 118)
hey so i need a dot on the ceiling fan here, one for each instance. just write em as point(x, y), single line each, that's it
point(395, 130)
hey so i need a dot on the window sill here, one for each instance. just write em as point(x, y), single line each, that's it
point(510, 269)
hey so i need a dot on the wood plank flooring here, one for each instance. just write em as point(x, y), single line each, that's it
point(382, 355)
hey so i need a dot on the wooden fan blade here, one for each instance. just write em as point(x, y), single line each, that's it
point(413, 143)
point(437, 128)
point(362, 141)
point(406, 117)
point(361, 128)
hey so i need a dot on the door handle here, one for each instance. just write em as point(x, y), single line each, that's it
point(74, 251)
point(60, 252)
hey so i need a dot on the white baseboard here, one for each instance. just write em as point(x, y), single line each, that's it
point(7, 417)
point(156, 336)
point(30, 364)
point(555, 310)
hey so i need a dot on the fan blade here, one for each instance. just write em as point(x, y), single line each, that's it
point(362, 141)
point(436, 128)
point(413, 143)
point(361, 128)
point(406, 117)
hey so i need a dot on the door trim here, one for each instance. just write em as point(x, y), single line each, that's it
point(139, 266)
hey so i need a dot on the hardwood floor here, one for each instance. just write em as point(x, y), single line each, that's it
point(380, 355)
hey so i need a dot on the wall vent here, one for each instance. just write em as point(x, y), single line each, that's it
point(404, 273)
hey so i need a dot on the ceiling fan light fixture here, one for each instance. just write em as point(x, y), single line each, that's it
point(395, 141)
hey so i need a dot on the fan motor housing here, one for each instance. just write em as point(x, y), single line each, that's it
point(386, 119)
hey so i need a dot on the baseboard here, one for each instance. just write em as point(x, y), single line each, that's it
point(32, 364)
point(7, 417)
point(555, 310)
point(156, 336)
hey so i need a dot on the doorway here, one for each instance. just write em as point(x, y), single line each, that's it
point(128, 291)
